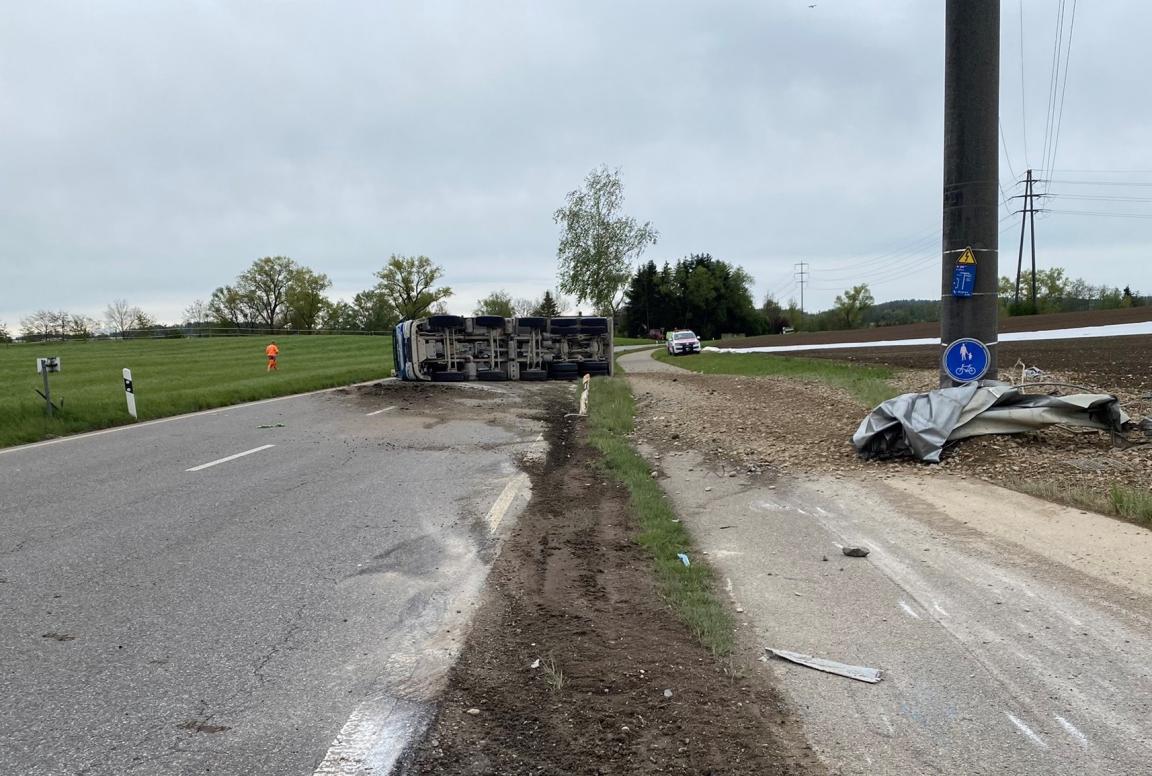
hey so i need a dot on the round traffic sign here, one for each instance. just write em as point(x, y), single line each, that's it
point(966, 360)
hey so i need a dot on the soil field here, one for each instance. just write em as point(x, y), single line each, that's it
point(575, 665)
point(1119, 365)
point(918, 330)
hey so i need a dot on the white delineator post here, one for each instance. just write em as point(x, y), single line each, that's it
point(584, 395)
point(129, 392)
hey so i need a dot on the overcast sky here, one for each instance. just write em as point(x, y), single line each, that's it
point(151, 151)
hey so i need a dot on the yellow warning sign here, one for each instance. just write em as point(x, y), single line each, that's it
point(967, 257)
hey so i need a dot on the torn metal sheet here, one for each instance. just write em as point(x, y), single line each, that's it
point(859, 673)
point(920, 424)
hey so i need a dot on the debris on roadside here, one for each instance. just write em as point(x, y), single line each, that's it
point(859, 673)
point(683, 559)
point(856, 552)
point(918, 425)
point(272, 425)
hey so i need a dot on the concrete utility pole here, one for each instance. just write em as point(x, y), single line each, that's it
point(971, 172)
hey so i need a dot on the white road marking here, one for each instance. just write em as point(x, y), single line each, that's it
point(911, 612)
point(1072, 731)
point(377, 412)
point(1027, 731)
point(940, 609)
point(229, 458)
point(374, 737)
point(507, 496)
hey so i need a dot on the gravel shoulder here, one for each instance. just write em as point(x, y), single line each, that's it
point(1012, 631)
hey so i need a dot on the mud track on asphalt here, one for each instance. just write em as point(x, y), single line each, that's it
point(572, 590)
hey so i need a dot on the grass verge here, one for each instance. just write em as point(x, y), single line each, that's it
point(1125, 501)
point(689, 589)
point(170, 377)
point(868, 383)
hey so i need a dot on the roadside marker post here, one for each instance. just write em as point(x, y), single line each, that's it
point(44, 366)
point(130, 393)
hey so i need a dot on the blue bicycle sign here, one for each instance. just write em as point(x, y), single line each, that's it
point(966, 360)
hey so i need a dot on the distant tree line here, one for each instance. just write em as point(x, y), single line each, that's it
point(1056, 293)
point(699, 292)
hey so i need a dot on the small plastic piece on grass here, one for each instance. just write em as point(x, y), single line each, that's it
point(683, 559)
point(856, 552)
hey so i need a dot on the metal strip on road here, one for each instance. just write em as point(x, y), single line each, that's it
point(377, 412)
point(228, 458)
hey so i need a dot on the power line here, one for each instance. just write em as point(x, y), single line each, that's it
point(1023, 102)
point(1053, 82)
point(1064, 88)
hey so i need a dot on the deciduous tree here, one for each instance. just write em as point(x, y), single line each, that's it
point(407, 285)
point(118, 316)
point(265, 284)
point(597, 242)
point(305, 301)
point(852, 304)
point(497, 303)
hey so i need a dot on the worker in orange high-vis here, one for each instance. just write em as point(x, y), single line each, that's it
point(272, 351)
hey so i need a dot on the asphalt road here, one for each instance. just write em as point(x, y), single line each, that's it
point(169, 608)
point(1013, 633)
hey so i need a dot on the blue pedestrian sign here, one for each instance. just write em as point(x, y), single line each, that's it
point(966, 360)
point(963, 280)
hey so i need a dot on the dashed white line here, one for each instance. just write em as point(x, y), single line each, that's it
point(1027, 731)
point(911, 612)
point(1072, 731)
point(377, 412)
point(504, 501)
point(228, 458)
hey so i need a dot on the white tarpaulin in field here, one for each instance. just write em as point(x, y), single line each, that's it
point(1112, 330)
point(920, 424)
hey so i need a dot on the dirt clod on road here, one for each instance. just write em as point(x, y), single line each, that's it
point(575, 665)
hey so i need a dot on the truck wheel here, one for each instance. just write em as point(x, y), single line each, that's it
point(488, 321)
point(492, 375)
point(594, 368)
point(564, 325)
point(446, 322)
point(533, 374)
point(594, 326)
point(564, 371)
point(532, 323)
point(449, 377)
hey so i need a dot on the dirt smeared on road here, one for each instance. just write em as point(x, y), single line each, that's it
point(575, 664)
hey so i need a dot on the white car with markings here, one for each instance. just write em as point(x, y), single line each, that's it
point(682, 341)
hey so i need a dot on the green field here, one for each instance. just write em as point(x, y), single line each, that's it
point(171, 376)
point(869, 384)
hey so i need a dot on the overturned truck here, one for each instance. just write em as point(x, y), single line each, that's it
point(452, 348)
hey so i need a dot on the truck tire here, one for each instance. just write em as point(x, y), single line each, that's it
point(446, 322)
point(449, 377)
point(564, 325)
point(532, 323)
point(594, 368)
point(563, 370)
point(492, 375)
point(593, 325)
point(488, 321)
point(533, 374)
